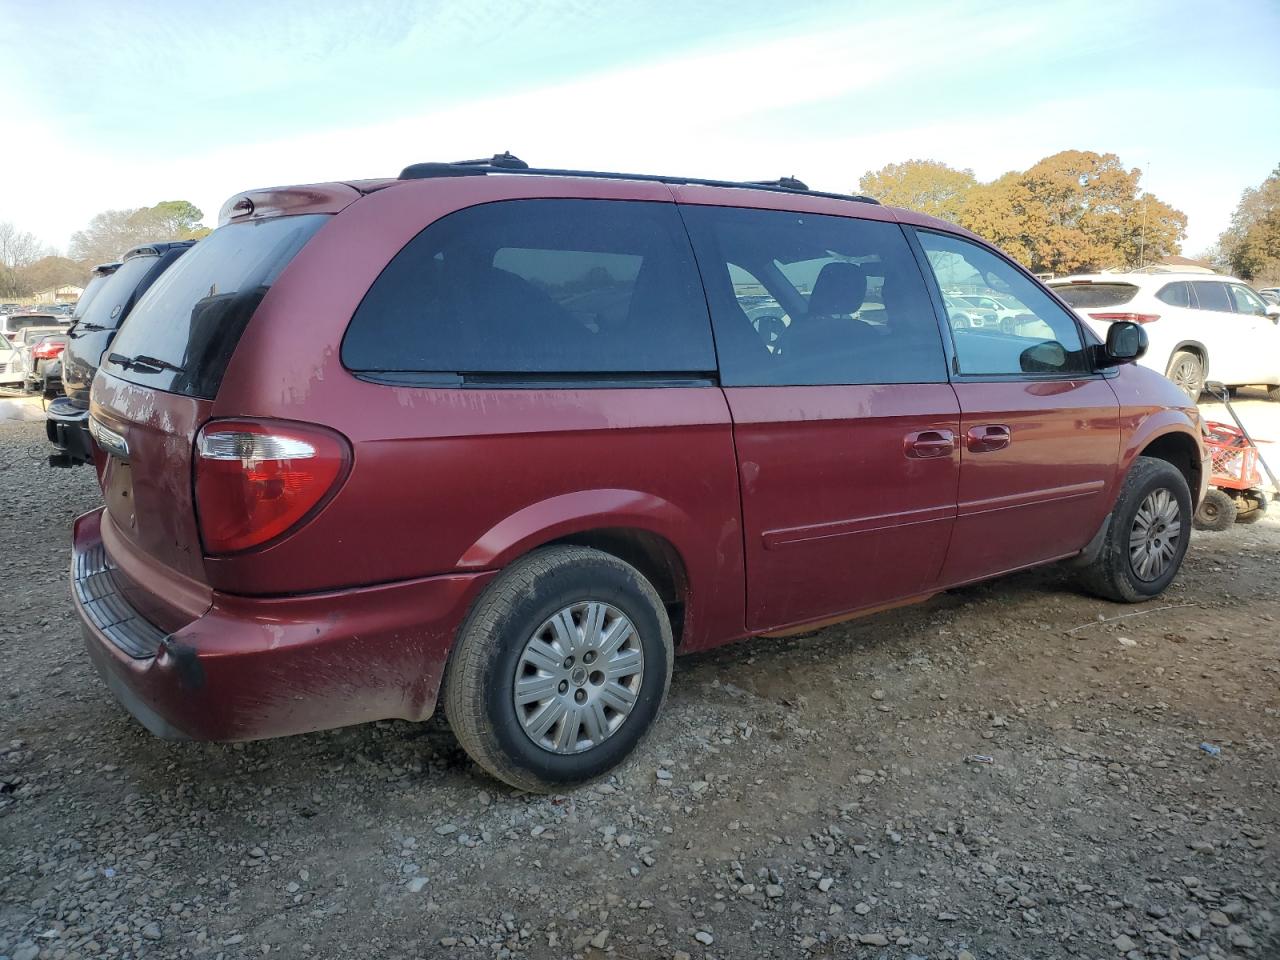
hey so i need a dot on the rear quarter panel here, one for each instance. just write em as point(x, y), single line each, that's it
point(470, 478)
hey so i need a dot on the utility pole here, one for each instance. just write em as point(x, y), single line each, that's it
point(1142, 239)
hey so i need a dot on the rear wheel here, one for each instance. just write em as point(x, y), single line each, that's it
point(1146, 537)
point(1217, 511)
point(1186, 370)
point(560, 669)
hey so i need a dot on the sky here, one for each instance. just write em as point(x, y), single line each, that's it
point(109, 106)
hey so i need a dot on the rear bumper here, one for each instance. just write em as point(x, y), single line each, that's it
point(250, 668)
point(67, 427)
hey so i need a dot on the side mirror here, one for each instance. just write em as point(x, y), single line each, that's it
point(1047, 357)
point(1126, 342)
point(1273, 312)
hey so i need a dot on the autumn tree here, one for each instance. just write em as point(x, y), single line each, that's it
point(925, 185)
point(53, 271)
point(112, 232)
point(1071, 212)
point(1251, 245)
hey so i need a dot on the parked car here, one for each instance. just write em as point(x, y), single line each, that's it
point(12, 324)
point(1270, 295)
point(12, 372)
point(35, 350)
point(93, 328)
point(45, 374)
point(503, 444)
point(1200, 326)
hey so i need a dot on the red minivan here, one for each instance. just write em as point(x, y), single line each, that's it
point(510, 439)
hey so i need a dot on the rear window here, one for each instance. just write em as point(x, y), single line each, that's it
point(91, 290)
point(1088, 295)
point(14, 324)
point(183, 331)
point(106, 309)
point(549, 288)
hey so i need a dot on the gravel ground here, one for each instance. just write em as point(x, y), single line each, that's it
point(817, 796)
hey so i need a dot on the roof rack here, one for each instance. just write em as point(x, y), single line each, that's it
point(506, 162)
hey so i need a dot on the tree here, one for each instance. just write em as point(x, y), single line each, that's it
point(52, 271)
point(18, 250)
point(1074, 211)
point(112, 232)
point(924, 185)
point(1251, 245)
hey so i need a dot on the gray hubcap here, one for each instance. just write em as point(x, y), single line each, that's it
point(1187, 376)
point(578, 677)
point(1153, 541)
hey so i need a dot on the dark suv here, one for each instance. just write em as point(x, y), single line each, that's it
point(105, 306)
point(507, 440)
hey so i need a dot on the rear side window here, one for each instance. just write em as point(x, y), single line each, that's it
point(1211, 296)
point(1088, 295)
point(546, 288)
point(182, 333)
point(1175, 294)
point(808, 299)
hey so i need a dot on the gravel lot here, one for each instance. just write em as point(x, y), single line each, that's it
point(808, 797)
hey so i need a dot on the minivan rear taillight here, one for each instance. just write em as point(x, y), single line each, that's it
point(255, 480)
point(1131, 317)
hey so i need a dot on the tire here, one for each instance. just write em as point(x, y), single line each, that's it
point(505, 640)
point(1256, 511)
point(1273, 392)
point(1158, 491)
point(1186, 370)
point(1217, 511)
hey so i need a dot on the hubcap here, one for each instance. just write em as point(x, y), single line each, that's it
point(1153, 541)
point(578, 677)
point(1187, 376)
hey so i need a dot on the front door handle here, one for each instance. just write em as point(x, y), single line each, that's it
point(929, 444)
point(988, 437)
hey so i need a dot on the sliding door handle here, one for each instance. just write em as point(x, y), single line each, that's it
point(988, 438)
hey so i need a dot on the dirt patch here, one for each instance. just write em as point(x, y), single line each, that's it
point(820, 796)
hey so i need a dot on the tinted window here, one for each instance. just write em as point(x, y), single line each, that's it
point(108, 308)
point(808, 299)
point(91, 290)
point(1087, 295)
point(1246, 301)
point(192, 317)
point(1039, 337)
point(567, 287)
point(1175, 294)
point(1211, 295)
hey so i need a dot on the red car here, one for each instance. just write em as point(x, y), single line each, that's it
point(505, 440)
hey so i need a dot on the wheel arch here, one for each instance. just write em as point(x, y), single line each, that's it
point(1180, 449)
point(637, 528)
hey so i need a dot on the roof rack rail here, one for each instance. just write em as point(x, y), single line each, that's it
point(506, 162)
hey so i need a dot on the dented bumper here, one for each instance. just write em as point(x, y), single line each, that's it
point(255, 667)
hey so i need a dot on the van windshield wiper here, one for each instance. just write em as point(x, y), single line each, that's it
point(141, 361)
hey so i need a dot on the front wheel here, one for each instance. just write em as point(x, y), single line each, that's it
point(560, 669)
point(1146, 537)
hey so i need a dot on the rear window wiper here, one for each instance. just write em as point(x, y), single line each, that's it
point(142, 361)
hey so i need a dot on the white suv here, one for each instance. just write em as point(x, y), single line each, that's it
point(1200, 326)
